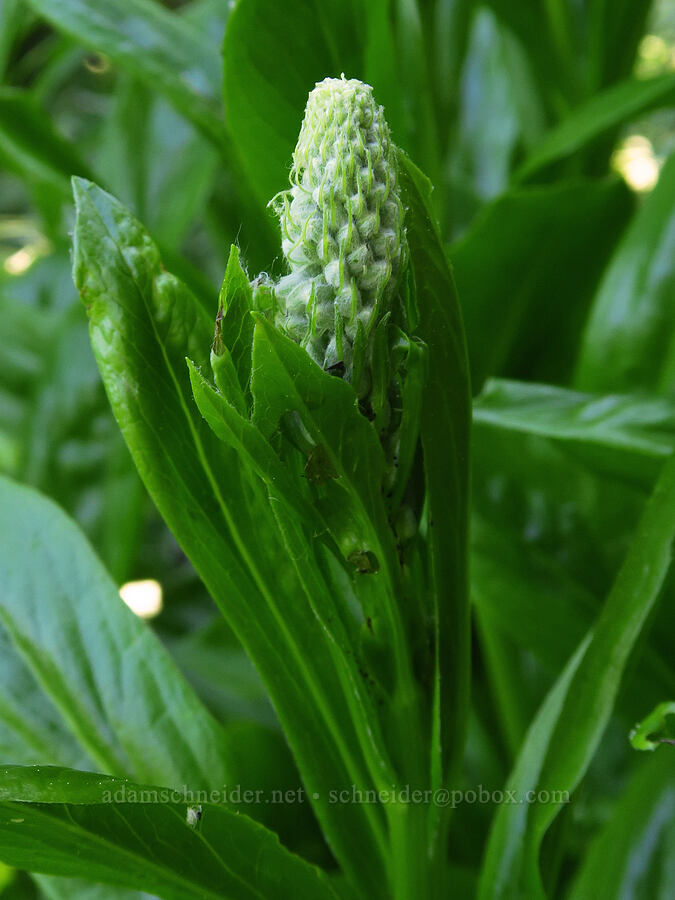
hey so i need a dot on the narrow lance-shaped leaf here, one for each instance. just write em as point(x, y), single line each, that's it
point(603, 112)
point(628, 436)
point(623, 858)
point(569, 726)
point(445, 441)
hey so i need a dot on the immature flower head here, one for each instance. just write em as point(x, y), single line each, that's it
point(341, 224)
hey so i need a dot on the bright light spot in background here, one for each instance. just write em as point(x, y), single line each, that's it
point(143, 597)
point(18, 262)
point(635, 160)
point(655, 56)
point(21, 231)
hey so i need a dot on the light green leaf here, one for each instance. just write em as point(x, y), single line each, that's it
point(160, 48)
point(115, 689)
point(624, 436)
point(628, 343)
point(650, 733)
point(597, 116)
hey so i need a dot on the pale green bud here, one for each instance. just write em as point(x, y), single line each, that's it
point(341, 224)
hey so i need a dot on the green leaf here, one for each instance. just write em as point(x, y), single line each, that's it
point(240, 434)
point(625, 436)
point(69, 823)
point(12, 25)
point(55, 887)
point(342, 454)
point(500, 112)
point(568, 729)
point(143, 323)
point(217, 666)
point(160, 48)
point(234, 336)
point(623, 859)
point(546, 33)
point(509, 579)
point(445, 428)
point(628, 343)
point(274, 54)
point(646, 734)
point(155, 160)
point(500, 872)
point(115, 688)
point(31, 730)
point(615, 30)
point(510, 302)
point(597, 116)
point(287, 383)
point(31, 145)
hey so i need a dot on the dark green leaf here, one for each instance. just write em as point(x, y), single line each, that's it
point(64, 822)
point(615, 29)
point(546, 33)
point(12, 24)
point(155, 161)
point(445, 441)
point(526, 271)
point(633, 850)
point(500, 113)
point(31, 145)
point(567, 731)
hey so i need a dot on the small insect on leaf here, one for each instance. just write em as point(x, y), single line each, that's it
point(194, 816)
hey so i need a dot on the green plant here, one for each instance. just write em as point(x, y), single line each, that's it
point(296, 449)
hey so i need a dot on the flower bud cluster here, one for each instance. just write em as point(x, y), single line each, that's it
point(341, 222)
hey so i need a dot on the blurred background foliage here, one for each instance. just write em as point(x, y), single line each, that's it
point(548, 129)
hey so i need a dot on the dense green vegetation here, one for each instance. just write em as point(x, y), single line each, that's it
point(414, 607)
